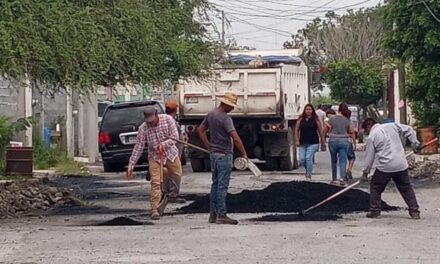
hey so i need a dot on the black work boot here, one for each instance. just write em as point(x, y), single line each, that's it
point(373, 214)
point(212, 217)
point(414, 215)
point(162, 204)
point(225, 220)
point(176, 200)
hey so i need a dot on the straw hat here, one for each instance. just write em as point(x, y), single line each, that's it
point(229, 99)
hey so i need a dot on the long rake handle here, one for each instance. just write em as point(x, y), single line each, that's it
point(189, 144)
point(332, 197)
point(355, 183)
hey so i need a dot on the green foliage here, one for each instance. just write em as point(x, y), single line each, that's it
point(323, 100)
point(8, 130)
point(84, 43)
point(415, 39)
point(46, 157)
point(354, 82)
point(70, 167)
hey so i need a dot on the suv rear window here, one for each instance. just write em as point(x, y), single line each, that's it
point(117, 116)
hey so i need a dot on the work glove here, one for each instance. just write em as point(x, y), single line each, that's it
point(364, 177)
point(418, 148)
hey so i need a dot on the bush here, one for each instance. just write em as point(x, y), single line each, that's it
point(46, 157)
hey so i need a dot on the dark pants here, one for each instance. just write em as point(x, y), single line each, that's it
point(380, 180)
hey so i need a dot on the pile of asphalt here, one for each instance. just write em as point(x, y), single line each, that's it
point(291, 197)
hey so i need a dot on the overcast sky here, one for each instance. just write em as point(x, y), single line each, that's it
point(267, 24)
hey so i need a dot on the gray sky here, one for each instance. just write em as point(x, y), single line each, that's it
point(266, 24)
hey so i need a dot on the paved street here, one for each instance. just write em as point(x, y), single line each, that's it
point(73, 237)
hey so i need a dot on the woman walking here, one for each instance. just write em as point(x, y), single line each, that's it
point(308, 131)
point(339, 130)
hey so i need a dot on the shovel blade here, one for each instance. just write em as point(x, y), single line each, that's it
point(254, 169)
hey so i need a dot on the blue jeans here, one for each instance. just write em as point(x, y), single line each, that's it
point(306, 156)
point(221, 166)
point(338, 152)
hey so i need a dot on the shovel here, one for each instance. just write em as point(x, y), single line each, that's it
point(304, 212)
point(249, 164)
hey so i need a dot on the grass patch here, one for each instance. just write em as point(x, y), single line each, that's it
point(70, 167)
point(3, 177)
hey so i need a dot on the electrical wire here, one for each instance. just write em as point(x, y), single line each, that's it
point(430, 11)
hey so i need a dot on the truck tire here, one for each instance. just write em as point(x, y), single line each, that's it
point(197, 165)
point(287, 163)
point(295, 152)
point(108, 167)
point(271, 163)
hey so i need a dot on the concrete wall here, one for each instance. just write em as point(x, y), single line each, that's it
point(8, 99)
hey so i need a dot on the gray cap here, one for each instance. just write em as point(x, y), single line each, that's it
point(149, 113)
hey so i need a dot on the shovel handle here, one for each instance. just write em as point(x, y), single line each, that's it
point(432, 141)
point(332, 197)
point(189, 144)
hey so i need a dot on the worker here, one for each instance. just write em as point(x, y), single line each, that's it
point(156, 132)
point(221, 130)
point(171, 110)
point(384, 143)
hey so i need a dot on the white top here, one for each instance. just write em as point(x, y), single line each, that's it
point(384, 143)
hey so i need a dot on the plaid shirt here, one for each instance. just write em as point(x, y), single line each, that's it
point(155, 135)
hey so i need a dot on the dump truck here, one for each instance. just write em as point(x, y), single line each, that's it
point(272, 89)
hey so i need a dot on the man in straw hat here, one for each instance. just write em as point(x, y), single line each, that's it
point(162, 152)
point(221, 131)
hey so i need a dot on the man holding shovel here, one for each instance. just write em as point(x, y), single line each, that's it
point(221, 131)
point(156, 132)
point(384, 142)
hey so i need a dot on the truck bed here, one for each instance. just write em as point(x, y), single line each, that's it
point(275, 93)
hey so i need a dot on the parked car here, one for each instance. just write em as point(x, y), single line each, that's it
point(118, 131)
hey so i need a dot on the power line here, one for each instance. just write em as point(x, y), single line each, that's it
point(289, 16)
point(430, 11)
point(281, 32)
point(286, 19)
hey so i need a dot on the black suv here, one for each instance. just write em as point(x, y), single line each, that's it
point(118, 131)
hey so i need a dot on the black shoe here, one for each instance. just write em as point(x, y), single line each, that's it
point(212, 217)
point(373, 214)
point(225, 220)
point(177, 200)
point(162, 204)
point(414, 215)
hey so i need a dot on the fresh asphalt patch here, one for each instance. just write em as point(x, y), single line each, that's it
point(291, 197)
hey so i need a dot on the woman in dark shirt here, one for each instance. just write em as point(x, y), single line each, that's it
point(308, 130)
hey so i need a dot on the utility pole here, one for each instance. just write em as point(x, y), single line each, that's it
point(223, 27)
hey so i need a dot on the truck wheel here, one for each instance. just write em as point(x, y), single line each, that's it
point(287, 163)
point(271, 163)
point(295, 153)
point(207, 164)
point(108, 167)
point(197, 165)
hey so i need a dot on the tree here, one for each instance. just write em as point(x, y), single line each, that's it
point(84, 43)
point(355, 35)
point(354, 82)
point(415, 39)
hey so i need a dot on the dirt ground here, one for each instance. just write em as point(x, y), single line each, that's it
point(74, 235)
